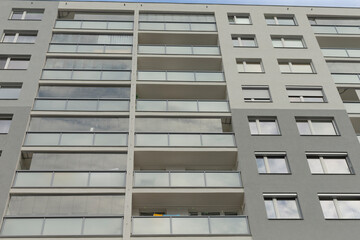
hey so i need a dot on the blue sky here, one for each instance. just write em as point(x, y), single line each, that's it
point(329, 3)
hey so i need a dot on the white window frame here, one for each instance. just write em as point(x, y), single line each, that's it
point(240, 16)
point(301, 97)
point(238, 38)
point(17, 34)
point(275, 197)
point(290, 64)
point(283, 40)
point(257, 122)
point(335, 199)
point(311, 127)
point(322, 158)
point(277, 21)
point(243, 62)
point(265, 156)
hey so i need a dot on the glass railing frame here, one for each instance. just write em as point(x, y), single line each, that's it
point(169, 172)
point(191, 217)
point(99, 21)
point(189, 23)
point(166, 76)
point(186, 133)
point(192, 47)
point(84, 99)
point(81, 44)
point(345, 51)
point(187, 100)
point(85, 70)
point(68, 171)
point(61, 133)
point(335, 27)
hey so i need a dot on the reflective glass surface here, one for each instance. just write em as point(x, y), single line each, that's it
point(150, 226)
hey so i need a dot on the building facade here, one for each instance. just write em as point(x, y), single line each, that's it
point(179, 121)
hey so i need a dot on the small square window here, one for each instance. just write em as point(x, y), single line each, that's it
point(264, 126)
point(328, 164)
point(296, 67)
point(239, 19)
point(316, 127)
point(272, 163)
point(244, 41)
point(280, 20)
point(282, 207)
point(256, 94)
point(249, 66)
point(305, 94)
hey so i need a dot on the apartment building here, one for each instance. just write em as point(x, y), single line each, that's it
point(148, 121)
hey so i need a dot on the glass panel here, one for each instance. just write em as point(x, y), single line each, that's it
point(33, 16)
point(269, 127)
point(349, 209)
point(76, 179)
point(115, 76)
point(248, 42)
point(152, 49)
point(324, 29)
point(61, 75)
point(229, 226)
point(120, 25)
point(42, 139)
point(86, 75)
point(303, 127)
point(293, 43)
point(90, 48)
point(323, 128)
point(22, 227)
point(209, 77)
point(76, 139)
point(155, 106)
point(107, 179)
point(223, 179)
point(4, 125)
point(277, 165)
point(328, 209)
point(8, 38)
point(286, 21)
point(241, 67)
point(352, 107)
point(118, 49)
point(187, 179)
point(148, 179)
point(336, 165)
point(18, 64)
point(78, 105)
point(334, 52)
point(277, 43)
point(151, 226)
point(302, 68)
point(68, 24)
point(188, 106)
point(270, 210)
point(151, 26)
point(284, 67)
point(213, 106)
point(94, 25)
point(177, 26)
point(184, 140)
point(107, 105)
point(180, 76)
point(143, 140)
point(253, 127)
point(50, 105)
point(288, 208)
point(218, 140)
point(103, 226)
point(206, 50)
point(178, 50)
point(62, 226)
point(353, 52)
point(242, 20)
point(152, 76)
point(270, 21)
point(33, 179)
point(253, 67)
point(62, 48)
point(260, 164)
point(190, 226)
point(17, 15)
point(208, 27)
point(348, 30)
point(26, 39)
point(315, 165)
point(110, 139)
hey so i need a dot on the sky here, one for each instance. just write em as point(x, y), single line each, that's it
point(318, 3)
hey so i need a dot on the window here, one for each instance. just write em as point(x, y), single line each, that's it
point(250, 66)
point(305, 94)
point(5, 123)
point(256, 94)
point(329, 163)
point(14, 62)
point(13, 37)
point(280, 42)
point(316, 127)
point(296, 67)
point(27, 14)
point(263, 126)
point(244, 41)
point(239, 19)
point(10, 91)
point(282, 206)
point(340, 207)
point(275, 163)
point(285, 21)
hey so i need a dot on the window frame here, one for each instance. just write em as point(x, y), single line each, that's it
point(276, 20)
point(311, 127)
point(305, 88)
point(258, 127)
point(243, 62)
point(234, 16)
point(283, 40)
point(12, 58)
point(16, 37)
point(253, 100)
point(11, 86)
point(335, 198)
point(296, 62)
point(239, 38)
point(266, 156)
point(322, 158)
point(6, 118)
point(25, 12)
point(283, 196)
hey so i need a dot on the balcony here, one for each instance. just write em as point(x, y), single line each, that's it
point(190, 225)
point(186, 179)
point(185, 140)
point(177, 26)
point(346, 78)
point(341, 52)
point(182, 106)
point(352, 107)
point(326, 29)
point(61, 226)
point(101, 25)
point(69, 179)
point(88, 48)
point(179, 50)
point(181, 76)
point(75, 139)
point(86, 75)
point(49, 104)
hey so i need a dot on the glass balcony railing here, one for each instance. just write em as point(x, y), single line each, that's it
point(42, 104)
point(358, 137)
point(326, 29)
point(352, 107)
point(183, 76)
point(54, 179)
point(75, 139)
point(346, 78)
point(177, 26)
point(203, 179)
point(190, 225)
point(86, 75)
point(61, 226)
point(340, 52)
point(182, 106)
point(87, 48)
point(184, 50)
point(185, 140)
point(82, 24)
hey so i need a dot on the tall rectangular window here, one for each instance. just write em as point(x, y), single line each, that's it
point(5, 122)
point(263, 126)
point(20, 63)
point(18, 37)
point(256, 94)
point(331, 163)
point(282, 206)
point(288, 42)
point(296, 67)
point(280, 20)
point(249, 66)
point(239, 19)
point(27, 14)
point(340, 206)
point(272, 163)
point(300, 94)
point(316, 127)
